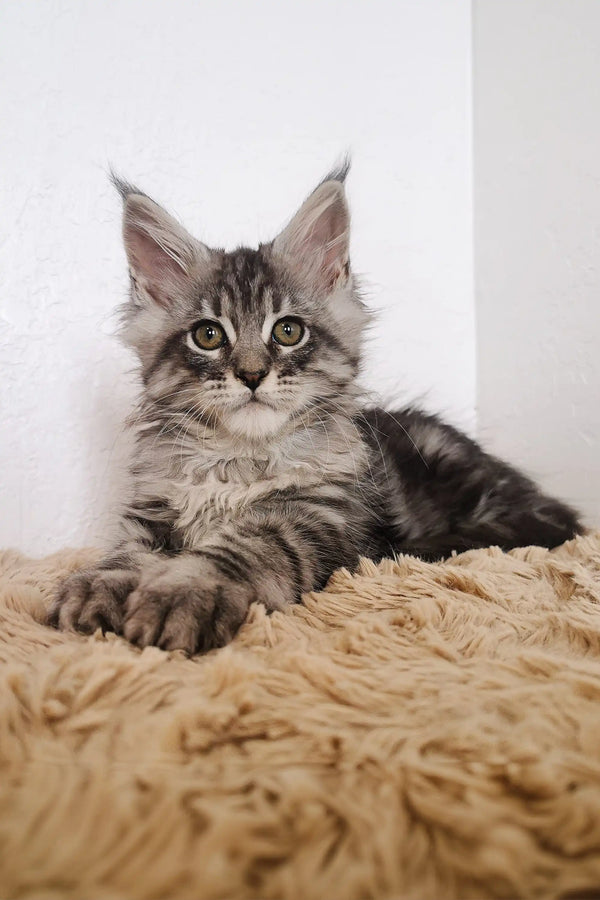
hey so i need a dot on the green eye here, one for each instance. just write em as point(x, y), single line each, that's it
point(288, 332)
point(208, 335)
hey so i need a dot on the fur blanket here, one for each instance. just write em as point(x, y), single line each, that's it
point(414, 731)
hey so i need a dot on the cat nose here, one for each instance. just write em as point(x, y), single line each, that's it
point(251, 379)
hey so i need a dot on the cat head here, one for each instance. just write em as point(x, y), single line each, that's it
point(250, 341)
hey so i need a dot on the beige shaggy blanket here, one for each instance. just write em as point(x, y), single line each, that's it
point(414, 731)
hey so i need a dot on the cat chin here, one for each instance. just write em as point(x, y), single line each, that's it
point(256, 421)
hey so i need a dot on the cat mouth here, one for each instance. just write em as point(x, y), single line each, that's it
point(260, 401)
point(254, 401)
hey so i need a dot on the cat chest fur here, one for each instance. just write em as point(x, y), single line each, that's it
point(208, 490)
point(202, 498)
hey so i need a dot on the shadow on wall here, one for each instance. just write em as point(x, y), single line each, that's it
point(108, 448)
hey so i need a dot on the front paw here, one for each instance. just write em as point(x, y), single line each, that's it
point(92, 599)
point(194, 613)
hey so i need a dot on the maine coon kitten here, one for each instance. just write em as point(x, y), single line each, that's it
point(256, 472)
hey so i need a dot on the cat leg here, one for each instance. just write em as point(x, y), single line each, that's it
point(93, 598)
point(198, 599)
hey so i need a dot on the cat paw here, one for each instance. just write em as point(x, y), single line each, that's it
point(92, 599)
point(194, 614)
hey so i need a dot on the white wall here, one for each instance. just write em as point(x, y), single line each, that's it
point(537, 239)
point(228, 113)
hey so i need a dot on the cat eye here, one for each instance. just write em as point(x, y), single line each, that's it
point(208, 335)
point(288, 332)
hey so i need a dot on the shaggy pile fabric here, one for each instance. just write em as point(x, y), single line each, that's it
point(415, 731)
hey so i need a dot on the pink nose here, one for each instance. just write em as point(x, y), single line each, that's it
point(251, 379)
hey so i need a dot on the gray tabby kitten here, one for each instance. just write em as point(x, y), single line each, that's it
point(256, 472)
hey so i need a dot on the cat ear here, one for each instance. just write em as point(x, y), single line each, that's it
point(315, 244)
point(162, 256)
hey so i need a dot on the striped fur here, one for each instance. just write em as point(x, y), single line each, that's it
point(256, 470)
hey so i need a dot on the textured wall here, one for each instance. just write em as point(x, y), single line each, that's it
point(537, 239)
point(228, 114)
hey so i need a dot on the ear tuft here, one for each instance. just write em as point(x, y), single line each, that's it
point(339, 171)
point(123, 187)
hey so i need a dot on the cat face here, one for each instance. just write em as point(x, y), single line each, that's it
point(252, 342)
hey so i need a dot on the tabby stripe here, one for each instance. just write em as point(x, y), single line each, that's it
point(160, 535)
point(243, 548)
point(331, 549)
point(341, 504)
point(329, 339)
point(228, 562)
point(117, 560)
point(265, 558)
point(167, 351)
point(293, 557)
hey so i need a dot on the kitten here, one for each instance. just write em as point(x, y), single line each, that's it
point(256, 472)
